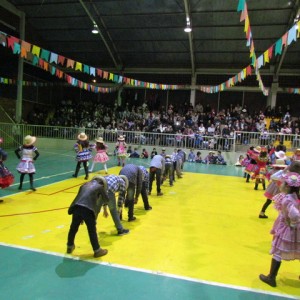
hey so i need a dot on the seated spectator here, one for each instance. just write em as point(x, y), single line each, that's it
point(135, 154)
point(210, 158)
point(129, 150)
point(198, 158)
point(239, 161)
point(280, 147)
point(144, 154)
point(219, 159)
point(153, 153)
point(191, 156)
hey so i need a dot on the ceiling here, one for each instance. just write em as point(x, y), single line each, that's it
point(145, 40)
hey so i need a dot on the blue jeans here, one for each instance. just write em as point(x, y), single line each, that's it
point(129, 202)
point(112, 205)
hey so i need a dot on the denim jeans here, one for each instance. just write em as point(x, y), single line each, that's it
point(130, 199)
point(112, 205)
point(144, 193)
point(81, 213)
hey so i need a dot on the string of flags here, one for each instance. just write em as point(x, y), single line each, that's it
point(47, 60)
point(250, 44)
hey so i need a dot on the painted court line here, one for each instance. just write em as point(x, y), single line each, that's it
point(158, 273)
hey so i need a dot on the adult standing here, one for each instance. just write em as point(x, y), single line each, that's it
point(157, 167)
point(86, 207)
point(135, 177)
point(28, 153)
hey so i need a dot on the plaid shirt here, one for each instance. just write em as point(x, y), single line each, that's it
point(134, 175)
point(116, 184)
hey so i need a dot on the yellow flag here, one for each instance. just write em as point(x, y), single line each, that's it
point(266, 56)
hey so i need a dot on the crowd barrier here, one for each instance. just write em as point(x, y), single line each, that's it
point(13, 135)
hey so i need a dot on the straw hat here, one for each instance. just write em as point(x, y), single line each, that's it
point(82, 136)
point(279, 163)
point(121, 138)
point(280, 154)
point(99, 140)
point(29, 140)
point(257, 149)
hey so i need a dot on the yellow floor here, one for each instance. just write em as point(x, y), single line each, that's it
point(205, 227)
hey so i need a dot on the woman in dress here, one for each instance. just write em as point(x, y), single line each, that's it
point(27, 153)
point(101, 155)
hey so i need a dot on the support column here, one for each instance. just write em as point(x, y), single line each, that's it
point(119, 99)
point(20, 74)
point(271, 101)
point(193, 92)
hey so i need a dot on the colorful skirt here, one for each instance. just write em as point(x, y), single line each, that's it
point(101, 157)
point(6, 177)
point(26, 166)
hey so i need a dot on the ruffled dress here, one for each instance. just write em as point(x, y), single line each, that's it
point(26, 165)
point(101, 156)
point(83, 153)
point(286, 228)
point(6, 177)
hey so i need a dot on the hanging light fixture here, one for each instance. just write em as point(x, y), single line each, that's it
point(95, 29)
point(188, 25)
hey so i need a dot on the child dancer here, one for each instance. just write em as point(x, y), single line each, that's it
point(285, 244)
point(101, 155)
point(296, 155)
point(28, 153)
point(83, 151)
point(273, 187)
point(260, 170)
point(121, 150)
point(6, 177)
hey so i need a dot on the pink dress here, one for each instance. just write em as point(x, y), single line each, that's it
point(101, 156)
point(286, 228)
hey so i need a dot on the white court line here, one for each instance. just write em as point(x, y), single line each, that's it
point(158, 273)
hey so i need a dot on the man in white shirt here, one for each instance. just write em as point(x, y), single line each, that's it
point(157, 167)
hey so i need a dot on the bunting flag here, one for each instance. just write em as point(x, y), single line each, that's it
point(34, 53)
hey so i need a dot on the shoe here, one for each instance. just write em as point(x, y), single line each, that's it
point(1, 200)
point(148, 208)
point(159, 194)
point(20, 188)
point(268, 280)
point(75, 176)
point(86, 177)
point(100, 252)
point(123, 231)
point(131, 219)
point(171, 184)
point(263, 216)
point(149, 193)
point(32, 188)
point(70, 249)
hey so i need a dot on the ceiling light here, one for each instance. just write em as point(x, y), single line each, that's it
point(95, 29)
point(188, 29)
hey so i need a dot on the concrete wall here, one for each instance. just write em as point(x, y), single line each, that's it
point(44, 143)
